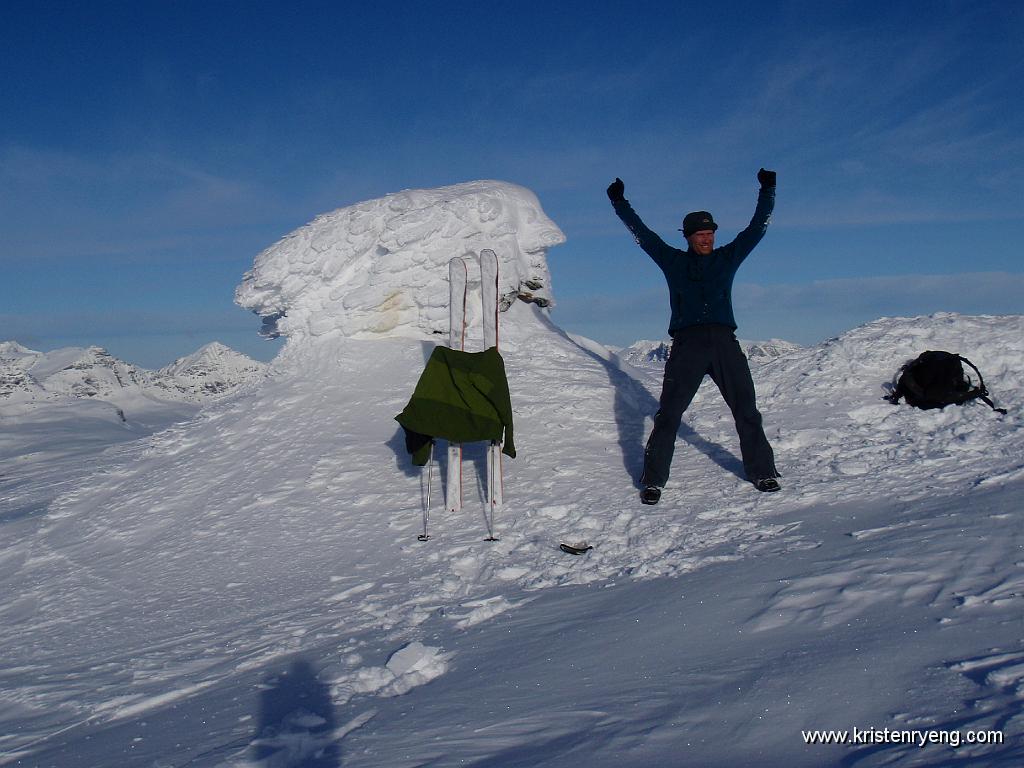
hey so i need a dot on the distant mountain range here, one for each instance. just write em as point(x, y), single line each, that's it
point(653, 354)
point(91, 372)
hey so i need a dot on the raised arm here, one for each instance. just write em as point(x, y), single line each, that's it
point(751, 236)
point(652, 244)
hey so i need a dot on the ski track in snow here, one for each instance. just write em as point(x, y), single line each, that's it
point(285, 520)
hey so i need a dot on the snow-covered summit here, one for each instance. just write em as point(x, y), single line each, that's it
point(379, 268)
point(212, 370)
point(88, 372)
point(15, 379)
point(12, 349)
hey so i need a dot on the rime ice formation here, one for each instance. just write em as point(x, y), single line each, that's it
point(380, 268)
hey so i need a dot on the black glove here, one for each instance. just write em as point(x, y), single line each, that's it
point(767, 178)
point(616, 190)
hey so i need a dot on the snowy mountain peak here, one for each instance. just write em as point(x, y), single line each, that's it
point(213, 353)
point(212, 370)
point(380, 268)
point(15, 379)
point(12, 349)
point(84, 372)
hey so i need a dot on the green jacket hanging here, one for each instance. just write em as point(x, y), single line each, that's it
point(462, 397)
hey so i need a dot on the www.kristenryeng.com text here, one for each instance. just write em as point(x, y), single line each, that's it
point(920, 738)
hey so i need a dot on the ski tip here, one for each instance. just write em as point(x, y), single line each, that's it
point(575, 549)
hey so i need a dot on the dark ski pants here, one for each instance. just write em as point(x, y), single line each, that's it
point(698, 351)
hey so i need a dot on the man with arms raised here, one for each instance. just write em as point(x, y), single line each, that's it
point(703, 335)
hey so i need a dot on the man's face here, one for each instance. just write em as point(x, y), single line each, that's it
point(702, 242)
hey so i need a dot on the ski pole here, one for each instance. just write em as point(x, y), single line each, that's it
point(426, 509)
point(489, 514)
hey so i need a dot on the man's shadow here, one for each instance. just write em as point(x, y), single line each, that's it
point(296, 721)
point(633, 403)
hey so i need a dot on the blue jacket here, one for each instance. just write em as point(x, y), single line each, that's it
point(700, 287)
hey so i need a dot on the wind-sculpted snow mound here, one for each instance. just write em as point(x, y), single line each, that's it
point(379, 268)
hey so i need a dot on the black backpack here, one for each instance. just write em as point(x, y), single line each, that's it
point(936, 379)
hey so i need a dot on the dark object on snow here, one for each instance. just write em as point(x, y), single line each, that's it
point(650, 495)
point(768, 485)
point(461, 397)
point(936, 379)
point(575, 549)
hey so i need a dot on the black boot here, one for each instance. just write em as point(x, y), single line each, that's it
point(651, 494)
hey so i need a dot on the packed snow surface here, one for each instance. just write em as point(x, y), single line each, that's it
point(246, 589)
point(263, 558)
point(60, 410)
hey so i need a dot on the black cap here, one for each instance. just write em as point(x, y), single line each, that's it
point(697, 222)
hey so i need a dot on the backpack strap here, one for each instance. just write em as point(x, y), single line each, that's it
point(982, 391)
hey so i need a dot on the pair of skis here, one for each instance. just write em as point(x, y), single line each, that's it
point(458, 275)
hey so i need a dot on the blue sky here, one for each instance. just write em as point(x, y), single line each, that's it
point(149, 150)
